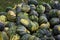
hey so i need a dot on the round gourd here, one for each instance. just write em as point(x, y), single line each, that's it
point(54, 21)
point(24, 22)
point(3, 36)
point(32, 7)
point(33, 18)
point(56, 29)
point(33, 2)
point(11, 16)
point(58, 13)
point(33, 12)
point(25, 8)
point(23, 15)
point(21, 30)
point(9, 8)
point(2, 26)
point(42, 19)
point(57, 37)
point(45, 25)
point(2, 18)
point(47, 7)
point(29, 37)
point(40, 9)
point(53, 13)
point(15, 37)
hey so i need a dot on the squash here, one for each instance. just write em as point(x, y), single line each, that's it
point(2, 19)
point(42, 19)
point(52, 13)
point(56, 30)
point(11, 16)
point(54, 21)
point(33, 12)
point(45, 25)
point(24, 22)
point(23, 15)
point(44, 34)
point(33, 18)
point(47, 7)
point(15, 37)
point(57, 37)
point(3, 36)
point(29, 37)
point(21, 30)
point(9, 8)
point(25, 8)
point(32, 6)
point(12, 30)
point(2, 26)
point(40, 9)
point(33, 2)
point(58, 13)
point(3, 13)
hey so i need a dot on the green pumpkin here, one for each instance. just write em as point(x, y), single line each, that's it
point(33, 26)
point(42, 19)
point(29, 37)
point(56, 29)
point(23, 15)
point(33, 18)
point(45, 25)
point(11, 16)
point(44, 33)
point(3, 13)
point(53, 13)
point(54, 21)
point(25, 8)
point(3, 36)
point(24, 22)
point(40, 9)
point(21, 30)
point(15, 37)
point(58, 13)
point(2, 18)
point(12, 30)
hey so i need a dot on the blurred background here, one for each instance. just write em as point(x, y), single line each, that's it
point(7, 3)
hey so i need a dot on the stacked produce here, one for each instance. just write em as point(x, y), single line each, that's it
point(30, 20)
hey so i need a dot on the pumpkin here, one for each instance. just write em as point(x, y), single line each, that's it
point(54, 21)
point(47, 7)
point(33, 18)
point(15, 37)
point(45, 25)
point(23, 15)
point(40, 9)
point(56, 30)
point(25, 8)
point(57, 37)
point(32, 2)
point(2, 19)
point(42, 19)
point(33, 12)
point(3, 36)
point(11, 16)
point(2, 26)
point(29, 37)
point(21, 30)
point(32, 6)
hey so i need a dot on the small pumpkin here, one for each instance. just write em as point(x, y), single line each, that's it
point(40, 9)
point(11, 16)
point(21, 30)
point(25, 8)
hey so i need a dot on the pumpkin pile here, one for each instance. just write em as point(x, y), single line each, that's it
point(30, 20)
